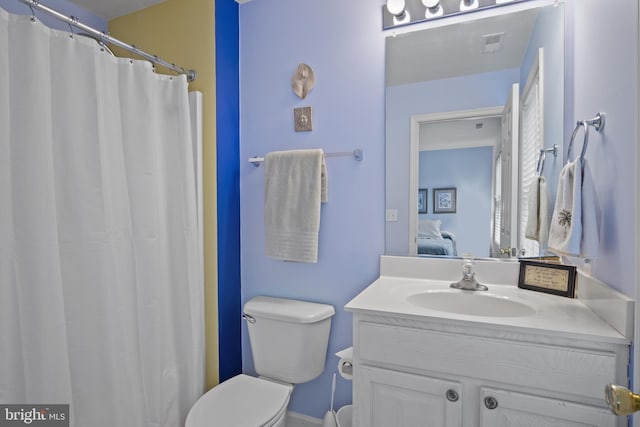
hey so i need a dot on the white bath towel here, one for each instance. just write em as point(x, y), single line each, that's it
point(574, 228)
point(537, 227)
point(295, 183)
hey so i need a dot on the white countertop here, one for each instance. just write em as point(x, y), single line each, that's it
point(554, 315)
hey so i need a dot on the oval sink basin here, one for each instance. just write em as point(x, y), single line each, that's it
point(472, 303)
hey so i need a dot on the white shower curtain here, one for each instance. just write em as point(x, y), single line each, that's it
point(100, 285)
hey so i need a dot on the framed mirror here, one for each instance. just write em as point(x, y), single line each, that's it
point(470, 104)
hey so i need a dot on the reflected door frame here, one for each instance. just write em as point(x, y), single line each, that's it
point(635, 381)
point(416, 121)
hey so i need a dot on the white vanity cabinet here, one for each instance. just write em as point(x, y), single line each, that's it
point(417, 372)
point(394, 398)
point(425, 355)
point(504, 408)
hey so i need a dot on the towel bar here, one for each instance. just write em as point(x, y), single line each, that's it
point(357, 154)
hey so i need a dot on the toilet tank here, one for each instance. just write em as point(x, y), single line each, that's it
point(289, 338)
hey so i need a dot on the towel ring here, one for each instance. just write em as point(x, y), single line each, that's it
point(543, 156)
point(585, 142)
point(598, 124)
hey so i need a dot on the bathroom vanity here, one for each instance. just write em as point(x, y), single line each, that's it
point(428, 355)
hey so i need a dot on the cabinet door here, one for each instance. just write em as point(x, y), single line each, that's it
point(500, 408)
point(389, 398)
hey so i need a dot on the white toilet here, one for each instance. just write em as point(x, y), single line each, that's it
point(289, 340)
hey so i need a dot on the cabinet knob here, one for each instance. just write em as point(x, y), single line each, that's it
point(490, 402)
point(452, 395)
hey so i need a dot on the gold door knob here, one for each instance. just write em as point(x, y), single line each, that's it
point(621, 400)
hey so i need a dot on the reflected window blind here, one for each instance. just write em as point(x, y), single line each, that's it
point(531, 143)
point(497, 202)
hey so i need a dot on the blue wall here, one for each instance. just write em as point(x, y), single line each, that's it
point(344, 44)
point(470, 170)
point(228, 186)
point(63, 6)
point(612, 154)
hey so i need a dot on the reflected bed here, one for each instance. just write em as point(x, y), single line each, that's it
point(434, 246)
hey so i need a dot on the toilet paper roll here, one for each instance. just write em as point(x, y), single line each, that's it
point(345, 363)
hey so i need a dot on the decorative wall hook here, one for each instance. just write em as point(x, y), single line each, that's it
point(303, 80)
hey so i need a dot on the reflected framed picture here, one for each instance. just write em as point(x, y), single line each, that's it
point(444, 200)
point(422, 201)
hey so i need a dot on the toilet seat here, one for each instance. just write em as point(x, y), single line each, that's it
point(241, 401)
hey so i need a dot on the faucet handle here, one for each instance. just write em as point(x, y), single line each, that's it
point(468, 281)
point(467, 262)
point(467, 269)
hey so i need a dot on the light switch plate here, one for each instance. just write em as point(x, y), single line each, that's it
point(392, 215)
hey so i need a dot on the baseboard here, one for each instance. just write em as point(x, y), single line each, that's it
point(295, 419)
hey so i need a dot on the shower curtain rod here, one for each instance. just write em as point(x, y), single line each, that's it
point(106, 38)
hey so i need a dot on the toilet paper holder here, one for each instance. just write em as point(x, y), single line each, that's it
point(346, 367)
point(345, 363)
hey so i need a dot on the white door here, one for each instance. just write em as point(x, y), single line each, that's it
point(501, 408)
point(508, 225)
point(389, 398)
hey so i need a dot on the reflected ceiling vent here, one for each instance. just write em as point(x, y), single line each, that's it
point(492, 42)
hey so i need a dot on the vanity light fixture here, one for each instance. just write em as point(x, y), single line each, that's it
point(397, 13)
point(398, 9)
point(433, 8)
point(468, 5)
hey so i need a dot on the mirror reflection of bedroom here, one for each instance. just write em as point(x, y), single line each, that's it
point(470, 109)
point(456, 155)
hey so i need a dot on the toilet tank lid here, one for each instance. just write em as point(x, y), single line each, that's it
point(288, 310)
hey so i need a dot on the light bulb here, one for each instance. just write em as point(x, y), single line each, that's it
point(468, 5)
point(399, 12)
point(431, 4)
point(433, 8)
point(405, 18)
point(396, 7)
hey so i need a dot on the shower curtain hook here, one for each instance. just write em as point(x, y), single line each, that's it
point(33, 12)
point(154, 62)
point(74, 19)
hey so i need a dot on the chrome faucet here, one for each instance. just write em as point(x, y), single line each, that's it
point(468, 281)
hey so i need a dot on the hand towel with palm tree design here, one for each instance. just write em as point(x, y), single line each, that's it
point(574, 229)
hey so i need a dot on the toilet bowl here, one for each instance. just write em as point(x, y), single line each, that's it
point(242, 401)
point(289, 340)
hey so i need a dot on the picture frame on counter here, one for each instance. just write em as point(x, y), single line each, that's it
point(550, 278)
